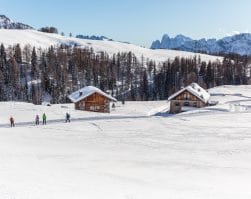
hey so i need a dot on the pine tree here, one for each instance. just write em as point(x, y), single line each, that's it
point(34, 65)
point(18, 54)
point(145, 88)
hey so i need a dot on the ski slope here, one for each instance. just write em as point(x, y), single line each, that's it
point(127, 154)
point(44, 40)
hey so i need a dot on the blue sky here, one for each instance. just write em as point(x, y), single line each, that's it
point(136, 21)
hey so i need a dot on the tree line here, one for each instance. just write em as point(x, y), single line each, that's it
point(36, 75)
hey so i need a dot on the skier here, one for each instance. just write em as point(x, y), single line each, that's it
point(12, 123)
point(44, 119)
point(68, 118)
point(37, 120)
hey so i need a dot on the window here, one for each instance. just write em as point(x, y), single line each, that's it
point(187, 96)
point(92, 108)
point(177, 104)
point(186, 103)
point(82, 105)
point(195, 104)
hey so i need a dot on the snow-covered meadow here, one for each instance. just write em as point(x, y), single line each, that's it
point(129, 154)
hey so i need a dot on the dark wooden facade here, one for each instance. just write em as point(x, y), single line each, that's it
point(95, 103)
point(185, 99)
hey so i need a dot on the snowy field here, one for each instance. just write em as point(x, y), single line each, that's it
point(45, 40)
point(203, 154)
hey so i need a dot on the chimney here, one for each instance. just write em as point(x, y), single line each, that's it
point(80, 94)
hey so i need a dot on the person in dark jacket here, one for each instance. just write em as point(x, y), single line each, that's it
point(37, 120)
point(67, 117)
point(44, 119)
point(12, 122)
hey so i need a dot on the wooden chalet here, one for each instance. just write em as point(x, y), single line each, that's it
point(192, 96)
point(92, 99)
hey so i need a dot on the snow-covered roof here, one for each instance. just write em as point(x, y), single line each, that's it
point(194, 89)
point(87, 91)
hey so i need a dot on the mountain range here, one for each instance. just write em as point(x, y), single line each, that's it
point(6, 23)
point(239, 43)
point(12, 33)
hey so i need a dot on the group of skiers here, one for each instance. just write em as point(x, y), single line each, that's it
point(37, 119)
point(44, 119)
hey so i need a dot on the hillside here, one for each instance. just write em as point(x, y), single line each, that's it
point(126, 154)
point(44, 40)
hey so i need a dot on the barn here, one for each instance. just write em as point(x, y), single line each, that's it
point(192, 96)
point(92, 99)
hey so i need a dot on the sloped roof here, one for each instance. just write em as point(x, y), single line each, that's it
point(194, 89)
point(86, 92)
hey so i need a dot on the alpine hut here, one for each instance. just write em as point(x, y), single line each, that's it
point(192, 96)
point(92, 99)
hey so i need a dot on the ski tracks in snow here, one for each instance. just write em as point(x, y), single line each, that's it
point(87, 119)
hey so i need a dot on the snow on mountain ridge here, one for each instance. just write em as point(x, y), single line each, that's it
point(6, 23)
point(45, 40)
point(170, 43)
